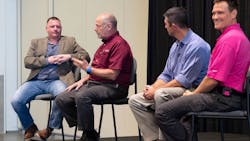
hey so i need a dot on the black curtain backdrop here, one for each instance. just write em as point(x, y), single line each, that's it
point(159, 42)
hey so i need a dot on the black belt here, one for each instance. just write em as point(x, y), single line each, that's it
point(113, 85)
point(226, 91)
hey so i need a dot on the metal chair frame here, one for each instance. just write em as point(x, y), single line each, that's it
point(133, 80)
point(50, 98)
point(239, 114)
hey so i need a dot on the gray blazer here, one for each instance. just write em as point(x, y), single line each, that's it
point(35, 59)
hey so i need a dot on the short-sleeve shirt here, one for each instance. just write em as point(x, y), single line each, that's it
point(114, 53)
point(230, 58)
point(187, 61)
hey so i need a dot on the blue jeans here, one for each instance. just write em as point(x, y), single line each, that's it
point(28, 91)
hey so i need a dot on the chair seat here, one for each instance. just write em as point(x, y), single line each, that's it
point(234, 114)
point(45, 97)
point(117, 102)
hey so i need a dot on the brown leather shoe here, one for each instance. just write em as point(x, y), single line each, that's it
point(45, 133)
point(30, 132)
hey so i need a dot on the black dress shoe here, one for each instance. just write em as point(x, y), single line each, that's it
point(83, 137)
point(92, 135)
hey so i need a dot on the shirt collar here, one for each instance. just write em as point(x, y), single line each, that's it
point(185, 40)
point(110, 38)
point(229, 28)
point(57, 40)
point(233, 26)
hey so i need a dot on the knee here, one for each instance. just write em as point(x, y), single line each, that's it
point(158, 95)
point(131, 100)
point(58, 100)
point(15, 102)
point(159, 113)
point(61, 99)
point(162, 113)
point(83, 99)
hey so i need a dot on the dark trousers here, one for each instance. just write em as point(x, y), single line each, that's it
point(170, 114)
point(76, 105)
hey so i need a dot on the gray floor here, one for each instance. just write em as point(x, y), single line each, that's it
point(18, 136)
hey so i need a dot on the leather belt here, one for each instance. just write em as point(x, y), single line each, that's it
point(226, 91)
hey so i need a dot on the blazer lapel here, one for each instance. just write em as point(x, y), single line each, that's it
point(45, 46)
point(61, 46)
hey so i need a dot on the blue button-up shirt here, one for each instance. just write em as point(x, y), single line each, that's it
point(188, 61)
point(49, 72)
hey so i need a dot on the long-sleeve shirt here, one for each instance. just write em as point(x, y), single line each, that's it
point(187, 61)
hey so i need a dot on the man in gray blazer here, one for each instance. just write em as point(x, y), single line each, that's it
point(49, 60)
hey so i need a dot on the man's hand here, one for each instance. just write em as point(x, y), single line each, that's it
point(187, 92)
point(148, 92)
point(61, 58)
point(81, 64)
point(75, 86)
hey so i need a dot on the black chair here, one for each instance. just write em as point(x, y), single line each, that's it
point(50, 98)
point(133, 80)
point(239, 114)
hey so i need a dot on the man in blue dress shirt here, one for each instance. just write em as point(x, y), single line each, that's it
point(185, 68)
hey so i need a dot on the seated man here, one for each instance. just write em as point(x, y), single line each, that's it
point(51, 72)
point(108, 78)
point(222, 87)
point(185, 68)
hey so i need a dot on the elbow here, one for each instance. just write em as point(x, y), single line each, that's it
point(113, 77)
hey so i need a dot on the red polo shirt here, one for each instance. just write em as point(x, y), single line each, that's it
point(114, 53)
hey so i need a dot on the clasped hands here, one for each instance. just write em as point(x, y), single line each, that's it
point(148, 92)
point(59, 59)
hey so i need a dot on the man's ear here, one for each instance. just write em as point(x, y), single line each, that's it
point(109, 25)
point(175, 26)
point(234, 14)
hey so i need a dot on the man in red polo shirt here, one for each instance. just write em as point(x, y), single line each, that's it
point(108, 78)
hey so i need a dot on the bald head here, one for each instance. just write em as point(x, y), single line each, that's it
point(106, 25)
point(108, 18)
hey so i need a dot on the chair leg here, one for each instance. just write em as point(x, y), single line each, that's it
point(139, 134)
point(50, 104)
point(221, 129)
point(100, 122)
point(194, 129)
point(75, 133)
point(62, 131)
point(113, 111)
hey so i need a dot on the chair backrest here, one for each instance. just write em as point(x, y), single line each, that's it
point(133, 72)
point(77, 73)
point(247, 75)
point(247, 88)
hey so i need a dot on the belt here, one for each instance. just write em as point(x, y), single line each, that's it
point(226, 91)
point(113, 85)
